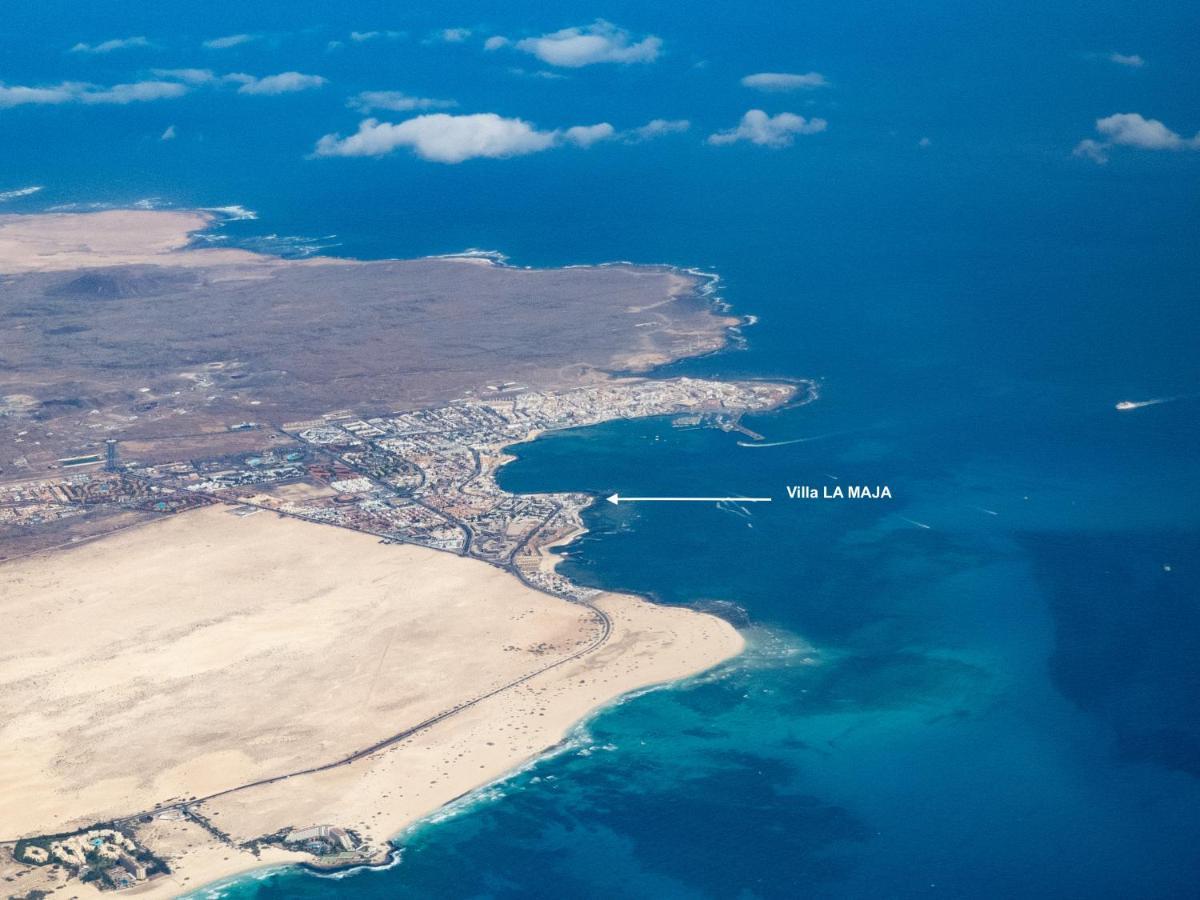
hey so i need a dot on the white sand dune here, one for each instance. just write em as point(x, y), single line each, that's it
point(210, 650)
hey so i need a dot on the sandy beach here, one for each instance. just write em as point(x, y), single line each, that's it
point(211, 650)
point(55, 242)
point(214, 679)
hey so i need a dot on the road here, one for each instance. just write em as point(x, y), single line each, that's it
point(602, 619)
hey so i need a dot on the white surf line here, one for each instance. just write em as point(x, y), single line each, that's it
point(914, 522)
point(984, 509)
point(616, 499)
point(19, 192)
point(233, 213)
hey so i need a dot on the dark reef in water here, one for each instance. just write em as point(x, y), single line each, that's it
point(1126, 637)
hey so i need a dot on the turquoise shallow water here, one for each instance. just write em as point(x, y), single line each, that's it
point(998, 705)
point(994, 706)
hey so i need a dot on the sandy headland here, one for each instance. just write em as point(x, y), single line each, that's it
point(212, 650)
point(55, 242)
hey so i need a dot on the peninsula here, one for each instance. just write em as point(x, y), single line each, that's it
point(266, 601)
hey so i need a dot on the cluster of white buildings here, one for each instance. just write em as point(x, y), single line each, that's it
point(105, 850)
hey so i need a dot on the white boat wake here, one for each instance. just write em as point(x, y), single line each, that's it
point(772, 443)
point(1153, 401)
point(735, 508)
point(801, 440)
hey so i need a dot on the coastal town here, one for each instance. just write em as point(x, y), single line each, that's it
point(424, 476)
point(109, 857)
point(420, 476)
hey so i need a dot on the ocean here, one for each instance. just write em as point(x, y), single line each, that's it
point(988, 686)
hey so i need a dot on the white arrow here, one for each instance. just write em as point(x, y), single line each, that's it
point(614, 499)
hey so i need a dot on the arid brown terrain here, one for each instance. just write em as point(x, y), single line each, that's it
point(206, 341)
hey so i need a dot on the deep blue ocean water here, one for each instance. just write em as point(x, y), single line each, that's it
point(997, 705)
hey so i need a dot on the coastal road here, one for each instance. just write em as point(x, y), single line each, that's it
point(602, 619)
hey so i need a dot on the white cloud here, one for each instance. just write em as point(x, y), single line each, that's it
point(656, 128)
point(81, 92)
point(769, 131)
point(168, 135)
point(495, 42)
point(395, 101)
point(1132, 130)
point(784, 81)
point(599, 42)
point(191, 76)
point(1126, 59)
point(439, 137)
point(19, 95)
point(134, 93)
point(442, 138)
point(924, 142)
point(168, 83)
point(111, 45)
point(283, 83)
point(1093, 150)
point(543, 74)
point(360, 37)
point(586, 135)
point(455, 35)
point(137, 92)
point(229, 40)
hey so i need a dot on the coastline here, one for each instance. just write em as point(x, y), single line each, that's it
point(391, 855)
point(556, 721)
point(445, 757)
point(464, 803)
point(649, 646)
point(762, 648)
